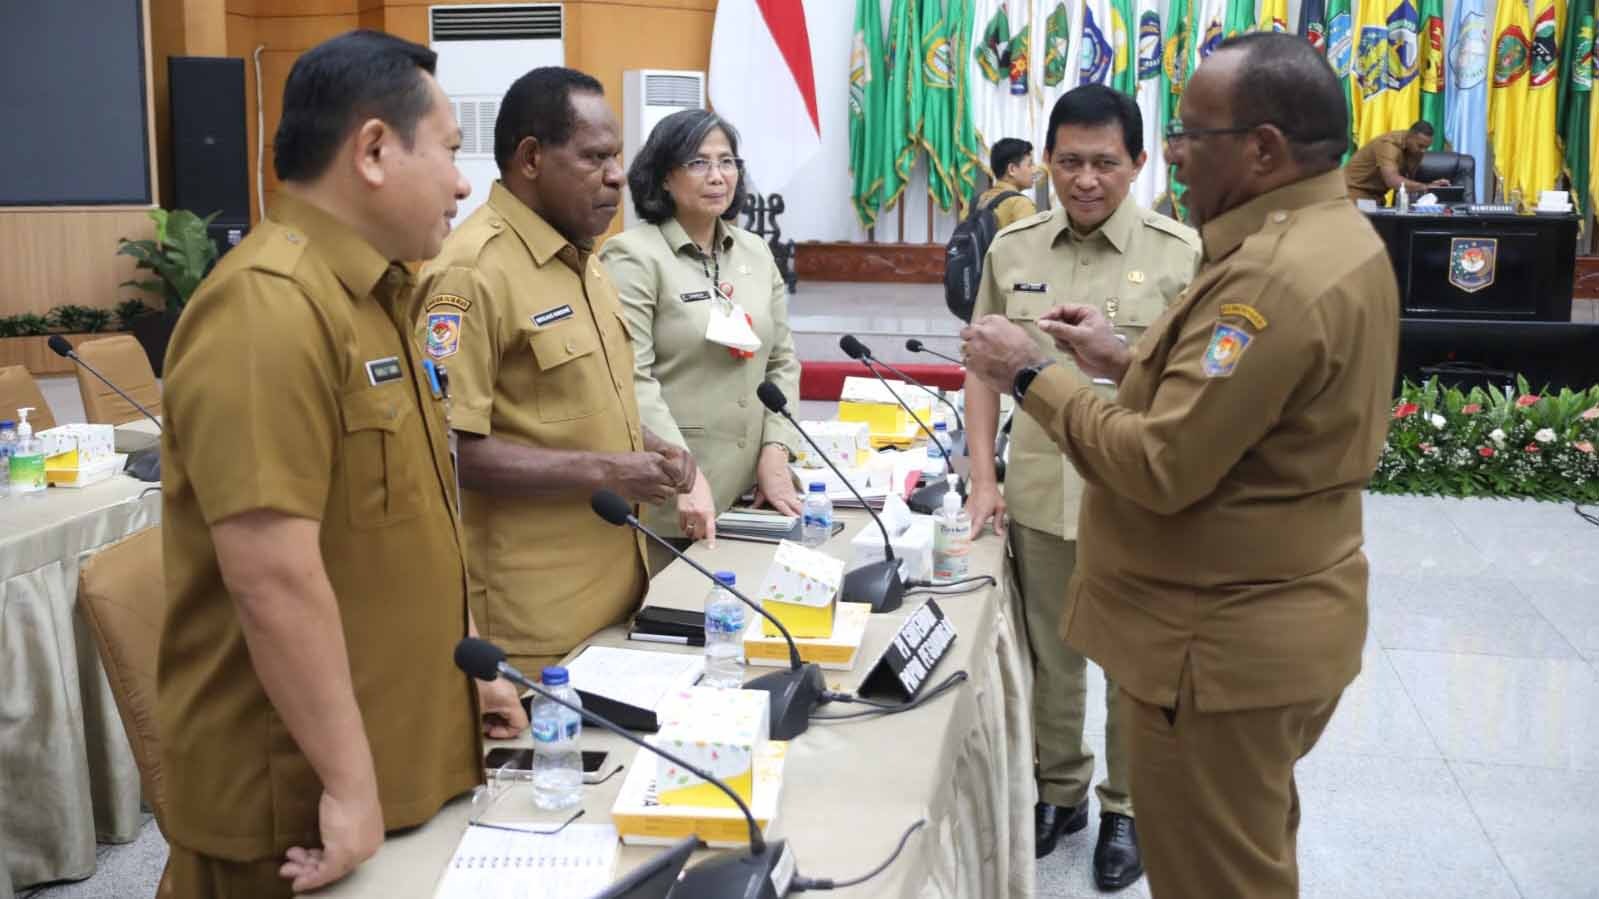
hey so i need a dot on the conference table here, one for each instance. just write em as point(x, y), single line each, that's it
point(962, 761)
point(67, 777)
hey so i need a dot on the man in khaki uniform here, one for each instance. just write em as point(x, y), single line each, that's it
point(1099, 248)
point(315, 576)
point(519, 311)
point(1011, 161)
point(1247, 423)
point(1388, 161)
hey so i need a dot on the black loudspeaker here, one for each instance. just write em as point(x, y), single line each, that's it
point(210, 156)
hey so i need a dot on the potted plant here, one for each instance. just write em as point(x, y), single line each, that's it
point(180, 255)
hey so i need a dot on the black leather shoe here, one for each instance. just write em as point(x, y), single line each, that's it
point(1051, 821)
point(1117, 861)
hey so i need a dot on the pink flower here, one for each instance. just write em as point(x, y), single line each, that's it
point(1527, 399)
point(1532, 447)
point(1471, 408)
point(1424, 446)
point(1487, 452)
point(1584, 446)
point(1406, 410)
point(1591, 414)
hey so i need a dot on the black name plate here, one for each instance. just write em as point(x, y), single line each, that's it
point(904, 667)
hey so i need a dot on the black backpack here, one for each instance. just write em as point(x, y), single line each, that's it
point(963, 256)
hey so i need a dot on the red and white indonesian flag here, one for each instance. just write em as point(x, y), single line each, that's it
point(762, 81)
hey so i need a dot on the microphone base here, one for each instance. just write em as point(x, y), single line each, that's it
point(742, 876)
point(928, 500)
point(877, 584)
point(145, 464)
point(794, 695)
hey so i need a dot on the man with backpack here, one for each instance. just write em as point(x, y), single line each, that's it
point(1011, 161)
point(1097, 247)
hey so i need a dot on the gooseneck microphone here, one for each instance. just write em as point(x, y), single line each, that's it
point(144, 464)
point(916, 346)
point(728, 877)
point(877, 583)
point(959, 425)
point(928, 499)
point(794, 693)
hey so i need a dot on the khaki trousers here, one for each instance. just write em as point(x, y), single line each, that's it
point(190, 875)
point(1043, 564)
point(1220, 808)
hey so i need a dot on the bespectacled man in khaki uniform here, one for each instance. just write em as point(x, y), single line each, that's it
point(529, 327)
point(1097, 248)
point(1248, 421)
point(316, 581)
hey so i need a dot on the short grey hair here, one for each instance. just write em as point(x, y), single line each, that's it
point(673, 142)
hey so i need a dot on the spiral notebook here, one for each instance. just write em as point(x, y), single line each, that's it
point(576, 863)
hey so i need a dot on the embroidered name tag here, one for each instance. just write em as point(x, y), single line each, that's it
point(694, 296)
point(382, 371)
point(550, 316)
point(1245, 312)
point(1030, 287)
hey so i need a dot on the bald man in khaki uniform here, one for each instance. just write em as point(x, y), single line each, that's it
point(1099, 248)
point(1248, 421)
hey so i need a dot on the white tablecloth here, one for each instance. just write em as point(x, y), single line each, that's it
point(964, 762)
point(67, 776)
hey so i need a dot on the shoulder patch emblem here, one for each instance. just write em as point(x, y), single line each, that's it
point(449, 299)
point(1246, 312)
point(443, 334)
point(1227, 345)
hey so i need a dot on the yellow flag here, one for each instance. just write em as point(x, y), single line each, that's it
point(1507, 94)
point(1537, 166)
point(1404, 65)
point(1371, 72)
point(1273, 16)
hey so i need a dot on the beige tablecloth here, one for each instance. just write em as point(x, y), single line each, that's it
point(963, 762)
point(67, 777)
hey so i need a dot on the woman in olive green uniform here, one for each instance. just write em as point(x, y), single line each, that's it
point(707, 311)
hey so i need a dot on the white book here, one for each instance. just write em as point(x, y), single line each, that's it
point(502, 864)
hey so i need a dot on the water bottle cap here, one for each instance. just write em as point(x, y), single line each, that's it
point(940, 425)
point(818, 487)
point(6, 423)
point(726, 578)
point(554, 676)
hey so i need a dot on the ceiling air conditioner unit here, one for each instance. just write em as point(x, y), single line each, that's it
point(482, 49)
point(649, 95)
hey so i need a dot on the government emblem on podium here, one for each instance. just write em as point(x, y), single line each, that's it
point(1472, 261)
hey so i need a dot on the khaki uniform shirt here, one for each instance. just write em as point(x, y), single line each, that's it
point(1363, 171)
point(531, 333)
point(294, 384)
point(1132, 266)
point(1012, 210)
point(692, 392)
point(1221, 527)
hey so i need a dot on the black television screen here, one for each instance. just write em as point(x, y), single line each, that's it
point(74, 84)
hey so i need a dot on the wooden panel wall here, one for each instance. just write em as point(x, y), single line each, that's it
point(57, 256)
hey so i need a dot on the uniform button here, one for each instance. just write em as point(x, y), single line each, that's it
point(742, 443)
point(571, 347)
point(291, 237)
point(744, 403)
point(1085, 261)
point(496, 224)
point(1279, 217)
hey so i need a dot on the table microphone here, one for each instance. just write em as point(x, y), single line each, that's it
point(794, 693)
point(145, 464)
point(929, 499)
point(742, 876)
point(916, 346)
point(877, 583)
point(959, 425)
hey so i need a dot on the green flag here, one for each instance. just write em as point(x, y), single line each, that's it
point(1432, 68)
point(1571, 113)
point(1124, 47)
point(1174, 56)
point(1057, 42)
point(936, 124)
point(991, 48)
point(1340, 55)
point(1240, 17)
point(867, 88)
point(968, 149)
point(899, 147)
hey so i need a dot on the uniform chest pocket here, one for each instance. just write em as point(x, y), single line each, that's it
point(382, 467)
point(572, 377)
point(1027, 303)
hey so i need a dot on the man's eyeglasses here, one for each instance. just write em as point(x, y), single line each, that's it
point(727, 165)
point(1176, 132)
point(499, 783)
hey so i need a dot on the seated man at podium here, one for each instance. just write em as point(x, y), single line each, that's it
point(1388, 161)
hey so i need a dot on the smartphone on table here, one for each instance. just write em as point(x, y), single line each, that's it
point(596, 763)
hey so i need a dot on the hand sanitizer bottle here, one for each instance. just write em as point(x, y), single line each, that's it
point(27, 460)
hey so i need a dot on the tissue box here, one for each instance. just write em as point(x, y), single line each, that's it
point(801, 590)
point(914, 547)
point(720, 731)
point(846, 443)
point(89, 442)
point(867, 400)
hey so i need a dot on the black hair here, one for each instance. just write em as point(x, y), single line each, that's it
point(539, 105)
point(1096, 104)
point(1422, 127)
point(1290, 85)
point(673, 141)
point(342, 82)
point(1007, 152)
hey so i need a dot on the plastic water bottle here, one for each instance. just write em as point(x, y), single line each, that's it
point(27, 460)
point(817, 520)
point(8, 446)
point(952, 540)
point(724, 636)
point(557, 762)
point(1402, 202)
point(933, 468)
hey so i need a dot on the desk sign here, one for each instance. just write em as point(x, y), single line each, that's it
point(915, 651)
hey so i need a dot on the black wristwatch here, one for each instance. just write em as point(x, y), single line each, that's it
point(1024, 379)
